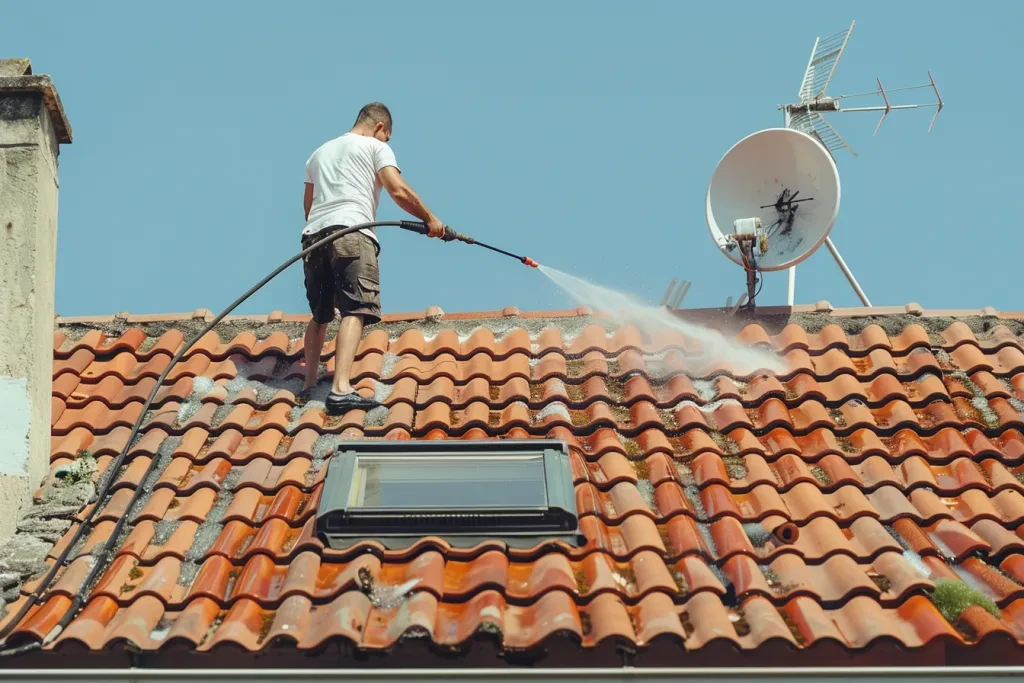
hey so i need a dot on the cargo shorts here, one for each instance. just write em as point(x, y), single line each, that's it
point(342, 274)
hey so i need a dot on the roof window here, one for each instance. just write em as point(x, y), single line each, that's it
point(398, 492)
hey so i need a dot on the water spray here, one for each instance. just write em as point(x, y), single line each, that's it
point(103, 555)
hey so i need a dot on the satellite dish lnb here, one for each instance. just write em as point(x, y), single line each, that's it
point(772, 200)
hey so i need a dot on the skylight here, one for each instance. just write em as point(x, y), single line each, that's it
point(466, 492)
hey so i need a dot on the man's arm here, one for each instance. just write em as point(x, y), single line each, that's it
point(408, 200)
point(307, 200)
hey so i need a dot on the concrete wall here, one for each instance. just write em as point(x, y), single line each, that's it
point(28, 250)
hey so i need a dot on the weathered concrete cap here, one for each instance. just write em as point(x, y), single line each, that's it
point(16, 76)
point(21, 66)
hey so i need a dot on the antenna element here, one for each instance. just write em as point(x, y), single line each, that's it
point(807, 116)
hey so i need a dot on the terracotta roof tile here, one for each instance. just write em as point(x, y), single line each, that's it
point(821, 504)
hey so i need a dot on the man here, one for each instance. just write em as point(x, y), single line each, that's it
point(343, 182)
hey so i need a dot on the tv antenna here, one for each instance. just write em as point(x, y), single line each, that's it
point(771, 202)
point(808, 117)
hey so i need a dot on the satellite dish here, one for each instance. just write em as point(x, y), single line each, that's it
point(773, 199)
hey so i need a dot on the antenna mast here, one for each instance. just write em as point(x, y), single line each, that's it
point(808, 116)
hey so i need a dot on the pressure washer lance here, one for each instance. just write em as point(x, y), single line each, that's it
point(450, 236)
point(103, 553)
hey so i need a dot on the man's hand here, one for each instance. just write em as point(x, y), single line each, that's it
point(435, 228)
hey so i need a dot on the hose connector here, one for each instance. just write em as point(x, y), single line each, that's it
point(451, 236)
point(448, 236)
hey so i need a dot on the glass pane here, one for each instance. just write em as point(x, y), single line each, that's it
point(451, 482)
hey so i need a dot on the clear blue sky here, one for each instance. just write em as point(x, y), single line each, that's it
point(580, 133)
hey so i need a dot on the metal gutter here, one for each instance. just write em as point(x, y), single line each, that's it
point(634, 675)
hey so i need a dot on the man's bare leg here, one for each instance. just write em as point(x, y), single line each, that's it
point(311, 346)
point(345, 346)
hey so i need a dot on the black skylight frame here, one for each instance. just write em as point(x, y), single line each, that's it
point(340, 524)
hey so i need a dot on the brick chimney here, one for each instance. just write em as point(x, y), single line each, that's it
point(32, 127)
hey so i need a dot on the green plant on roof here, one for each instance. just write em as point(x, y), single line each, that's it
point(616, 389)
point(793, 627)
point(582, 585)
point(735, 467)
point(952, 598)
point(622, 415)
point(579, 417)
point(821, 475)
point(641, 469)
point(214, 625)
point(633, 449)
point(846, 445)
point(576, 393)
point(725, 443)
point(266, 623)
point(80, 470)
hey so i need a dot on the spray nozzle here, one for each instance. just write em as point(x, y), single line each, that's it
point(530, 262)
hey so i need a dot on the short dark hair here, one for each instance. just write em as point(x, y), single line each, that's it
point(374, 113)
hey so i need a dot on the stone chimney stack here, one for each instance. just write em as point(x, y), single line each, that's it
point(32, 128)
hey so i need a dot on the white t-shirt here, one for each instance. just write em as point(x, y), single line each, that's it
point(346, 189)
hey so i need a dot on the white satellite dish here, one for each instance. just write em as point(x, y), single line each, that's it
point(762, 160)
point(772, 200)
point(783, 177)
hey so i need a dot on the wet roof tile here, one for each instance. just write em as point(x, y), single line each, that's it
point(833, 501)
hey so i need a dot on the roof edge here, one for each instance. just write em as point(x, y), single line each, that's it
point(435, 313)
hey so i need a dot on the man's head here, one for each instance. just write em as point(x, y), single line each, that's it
point(374, 121)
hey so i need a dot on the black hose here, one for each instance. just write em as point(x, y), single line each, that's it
point(110, 473)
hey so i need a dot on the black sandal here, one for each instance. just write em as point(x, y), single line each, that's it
point(339, 404)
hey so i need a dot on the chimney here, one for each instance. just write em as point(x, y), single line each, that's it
point(32, 126)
